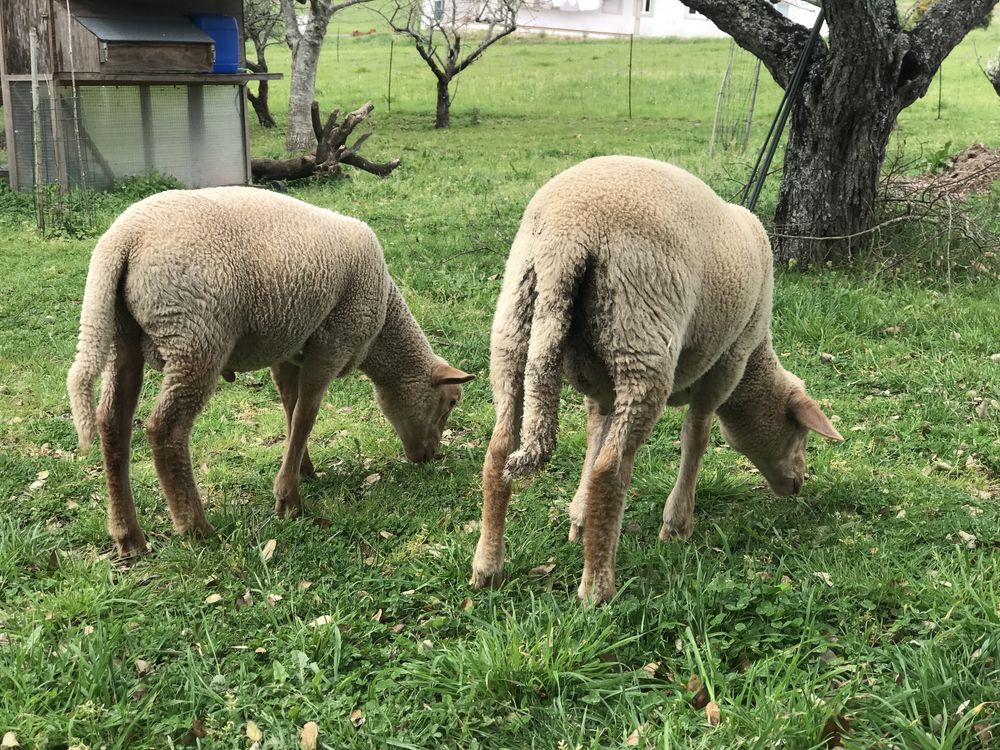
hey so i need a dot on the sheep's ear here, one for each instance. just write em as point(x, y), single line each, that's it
point(808, 414)
point(445, 374)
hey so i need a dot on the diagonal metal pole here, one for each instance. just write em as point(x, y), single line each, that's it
point(763, 164)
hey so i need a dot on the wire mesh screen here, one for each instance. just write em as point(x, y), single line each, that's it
point(192, 133)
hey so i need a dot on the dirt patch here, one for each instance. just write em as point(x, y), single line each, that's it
point(971, 172)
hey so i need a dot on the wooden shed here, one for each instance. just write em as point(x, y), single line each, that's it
point(124, 87)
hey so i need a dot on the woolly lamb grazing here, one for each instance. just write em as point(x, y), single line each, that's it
point(203, 283)
point(647, 289)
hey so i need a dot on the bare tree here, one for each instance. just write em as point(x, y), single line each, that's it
point(859, 80)
point(437, 29)
point(262, 22)
point(305, 43)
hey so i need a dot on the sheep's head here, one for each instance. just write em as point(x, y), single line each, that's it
point(772, 427)
point(418, 410)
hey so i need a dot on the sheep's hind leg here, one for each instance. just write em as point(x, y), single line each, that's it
point(678, 512)
point(185, 391)
point(597, 431)
point(487, 564)
point(610, 475)
point(119, 394)
point(286, 378)
point(312, 384)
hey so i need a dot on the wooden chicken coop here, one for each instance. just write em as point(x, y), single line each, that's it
point(97, 90)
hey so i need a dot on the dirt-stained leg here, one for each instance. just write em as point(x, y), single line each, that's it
point(121, 384)
point(487, 564)
point(312, 384)
point(678, 512)
point(610, 476)
point(286, 378)
point(185, 391)
point(597, 431)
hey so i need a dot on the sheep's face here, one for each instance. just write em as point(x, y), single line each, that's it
point(419, 411)
point(774, 436)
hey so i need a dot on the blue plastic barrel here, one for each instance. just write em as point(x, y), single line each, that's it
point(226, 33)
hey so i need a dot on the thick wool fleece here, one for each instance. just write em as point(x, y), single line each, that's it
point(639, 277)
point(229, 279)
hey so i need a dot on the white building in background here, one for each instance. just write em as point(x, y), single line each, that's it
point(651, 18)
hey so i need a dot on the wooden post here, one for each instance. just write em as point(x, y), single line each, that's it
point(36, 126)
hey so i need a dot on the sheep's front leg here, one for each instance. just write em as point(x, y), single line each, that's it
point(119, 395)
point(678, 512)
point(286, 378)
point(185, 391)
point(311, 387)
point(597, 431)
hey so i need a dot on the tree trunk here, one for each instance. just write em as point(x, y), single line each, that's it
point(305, 58)
point(261, 106)
point(443, 117)
point(840, 130)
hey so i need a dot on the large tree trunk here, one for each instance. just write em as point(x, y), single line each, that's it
point(868, 70)
point(305, 58)
point(840, 129)
point(443, 117)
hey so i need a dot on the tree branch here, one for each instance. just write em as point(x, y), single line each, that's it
point(292, 33)
point(936, 34)
point(757, 27)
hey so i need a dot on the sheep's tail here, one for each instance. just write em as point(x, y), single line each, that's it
point(556, 287)
point(97, 335)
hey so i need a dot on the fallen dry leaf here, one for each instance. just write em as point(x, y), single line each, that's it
point(825, 578)
point(88, 629)
point(268, 552)
point(701, 697)
point(398, 627)
point(305, 584)
point(713, 714)
point(969, 540)
point(9, 740)
point(633, 739)
point(542, 570)
point(651, 668)
point(372, 478)
point(826, 358)
point(309, 735)
point(213, 598)
point(386, 534)
point(357, 718)
point(466, 603)
point(321, 621)
point(834, 730)
point(273, 599)
point(253, 732)
point(195, 733)
point(245, 600)
point(377, 617)
point(142, 666)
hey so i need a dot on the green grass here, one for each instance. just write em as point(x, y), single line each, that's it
point(905, 643)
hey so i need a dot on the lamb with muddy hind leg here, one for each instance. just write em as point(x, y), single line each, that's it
point(203, 283)
point(642, 286)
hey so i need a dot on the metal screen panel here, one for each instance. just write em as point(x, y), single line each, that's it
point(192, 133)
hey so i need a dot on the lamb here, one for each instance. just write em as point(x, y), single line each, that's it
point(203, 283)
point(646, 289)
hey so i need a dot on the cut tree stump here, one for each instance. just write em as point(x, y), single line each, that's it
point(331, 150)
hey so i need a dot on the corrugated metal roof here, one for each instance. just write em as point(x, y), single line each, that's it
point(144, 29)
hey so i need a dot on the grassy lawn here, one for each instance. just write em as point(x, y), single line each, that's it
point(864, 612)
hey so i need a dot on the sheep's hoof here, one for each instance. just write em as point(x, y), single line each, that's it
point(198, 529)
point(307, 469)
point(676, 529)
point(484, 579)
point(597, 592)
point(576, 532)
point(285, 508)
point(132, 545)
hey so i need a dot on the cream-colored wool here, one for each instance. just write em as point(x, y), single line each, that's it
point(638, 282)
point(206, 282)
